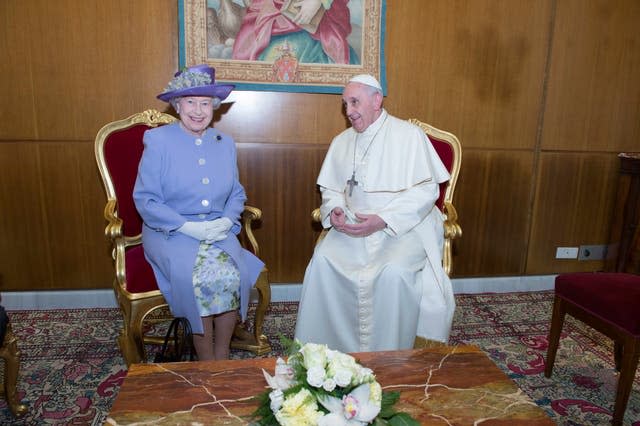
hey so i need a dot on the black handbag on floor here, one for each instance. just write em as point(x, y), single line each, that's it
point(178, 343)
point(4, 322)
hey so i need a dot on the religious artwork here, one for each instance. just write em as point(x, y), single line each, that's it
point(285, 45)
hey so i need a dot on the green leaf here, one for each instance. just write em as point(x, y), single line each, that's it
point(403, 419)
point(290, 346)
point(390, 398)
point(386, 404)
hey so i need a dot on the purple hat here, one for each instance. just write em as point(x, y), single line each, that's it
point(198, 80)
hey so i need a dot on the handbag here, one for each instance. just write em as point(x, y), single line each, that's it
point(178, 343)
point(4, 323)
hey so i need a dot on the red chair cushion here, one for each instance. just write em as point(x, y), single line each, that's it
point(122, 153)
point(613, 297)
point(139, 274)
point(445, 152)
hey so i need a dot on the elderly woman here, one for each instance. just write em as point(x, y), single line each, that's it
point(188, 194)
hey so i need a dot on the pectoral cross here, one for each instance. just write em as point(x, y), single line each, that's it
point(352, 182)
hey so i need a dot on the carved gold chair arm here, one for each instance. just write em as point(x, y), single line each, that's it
point(452, 229)
point(113, 229)
point(249, 215)
point(315, 215)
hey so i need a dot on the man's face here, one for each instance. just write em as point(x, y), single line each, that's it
point(361, 105)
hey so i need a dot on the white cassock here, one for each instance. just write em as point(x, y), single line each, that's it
point(379, 292)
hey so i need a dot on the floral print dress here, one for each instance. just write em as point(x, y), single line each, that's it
point(216, 281)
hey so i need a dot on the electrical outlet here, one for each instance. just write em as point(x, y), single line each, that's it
point(566, 252)
point(597, 252)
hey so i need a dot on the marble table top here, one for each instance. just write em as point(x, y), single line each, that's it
point(448, 385)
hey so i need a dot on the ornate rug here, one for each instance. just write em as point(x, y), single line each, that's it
point(71, 366)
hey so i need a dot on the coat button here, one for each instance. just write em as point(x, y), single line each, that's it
point(198, 142)
point(202, 161)
point(205, 203)
point(205, 181)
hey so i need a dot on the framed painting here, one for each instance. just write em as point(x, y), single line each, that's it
point(312, 46)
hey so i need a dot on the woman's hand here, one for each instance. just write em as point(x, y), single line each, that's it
point(197, 230)
point(218, 229)
point(209, 231)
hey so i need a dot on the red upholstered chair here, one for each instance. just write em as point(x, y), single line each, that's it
point(118, 148)
point(608, 302)
point(449, 149)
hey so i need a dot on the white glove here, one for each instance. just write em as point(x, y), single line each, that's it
point(209, 231)
point(218, 229)
point(197, 230)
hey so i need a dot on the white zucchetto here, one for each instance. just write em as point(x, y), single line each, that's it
point(367, 79)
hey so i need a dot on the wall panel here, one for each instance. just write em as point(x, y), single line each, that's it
point(74, 65)
point(593, 100)
point(573, 206)
point(475, 68)
point(25, 258)
point(281, 181)
point(491, 198)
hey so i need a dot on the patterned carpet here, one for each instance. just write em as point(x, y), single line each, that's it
point(71, 366)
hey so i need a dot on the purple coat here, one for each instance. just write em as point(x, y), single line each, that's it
point(182, 177)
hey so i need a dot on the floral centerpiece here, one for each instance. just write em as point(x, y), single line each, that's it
point(323, 387)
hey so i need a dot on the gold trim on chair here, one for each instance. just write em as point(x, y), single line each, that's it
point(135, 307)
point(452, 229)
point(10, 352)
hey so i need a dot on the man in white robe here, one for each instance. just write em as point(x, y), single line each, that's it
point(376, 280)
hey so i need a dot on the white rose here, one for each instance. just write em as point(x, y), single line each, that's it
point(277, 398)
point(342, 377)
point(316, 376)
point(364, 375)
point(314, 355)
point(341, 361)
point(329, 384)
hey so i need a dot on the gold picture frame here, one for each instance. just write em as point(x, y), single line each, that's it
point(213, 31)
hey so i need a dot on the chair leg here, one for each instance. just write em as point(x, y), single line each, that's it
point(628, 367)
point(557, 321)
point(128, 339)
point(11, 355)
point(131, 339)
point(617, 354)
point(256, 342)
point(264, 299)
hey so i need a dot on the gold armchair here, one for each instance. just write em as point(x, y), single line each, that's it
point(448, 148)
point(118, 148)
point(10, 353)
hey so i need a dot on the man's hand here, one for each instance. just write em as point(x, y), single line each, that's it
point(337, 218)
point(367, 225)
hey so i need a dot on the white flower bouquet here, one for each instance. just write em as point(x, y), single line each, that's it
point(323, 387)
